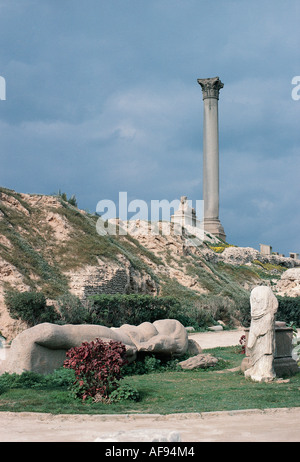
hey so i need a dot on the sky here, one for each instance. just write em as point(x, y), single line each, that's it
point(102, 97)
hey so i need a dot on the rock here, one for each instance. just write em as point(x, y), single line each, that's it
point(216, 328)
point(289, 284)
point(200, 361)
point(190, 329)
point(239, 255)
point(293, 274)
point(193, 347)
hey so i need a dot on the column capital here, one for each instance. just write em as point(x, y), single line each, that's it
point(211, 87)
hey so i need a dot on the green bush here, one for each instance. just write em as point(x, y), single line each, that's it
point(71, 310)
point(125, 392)
point(115, 310)
point(118, 309)
point(31, 307)
point(289, 310)
point(150, 364)
point(72, 200)
point(60, 378)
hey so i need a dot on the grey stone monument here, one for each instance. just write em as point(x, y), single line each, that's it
point(210, 90)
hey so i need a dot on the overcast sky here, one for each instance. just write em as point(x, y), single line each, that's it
point(102, 96)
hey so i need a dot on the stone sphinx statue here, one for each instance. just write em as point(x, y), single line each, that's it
point(261, 339)
point(42, 348)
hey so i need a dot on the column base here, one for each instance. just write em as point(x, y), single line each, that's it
point(213, 226)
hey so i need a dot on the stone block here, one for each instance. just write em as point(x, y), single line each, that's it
point(200, 361)
point(216, 328)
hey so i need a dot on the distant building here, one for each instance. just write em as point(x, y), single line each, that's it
point(265, 249)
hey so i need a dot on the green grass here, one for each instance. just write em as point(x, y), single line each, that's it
point(170, 392)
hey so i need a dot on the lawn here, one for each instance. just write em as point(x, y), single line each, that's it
point(165, 392)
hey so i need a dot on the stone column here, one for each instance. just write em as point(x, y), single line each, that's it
point(210, 89)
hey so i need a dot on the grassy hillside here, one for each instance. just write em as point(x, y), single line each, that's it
point(45, 239)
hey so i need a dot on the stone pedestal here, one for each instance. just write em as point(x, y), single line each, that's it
point(284, 364)
point(185, 216)
point(210, 89)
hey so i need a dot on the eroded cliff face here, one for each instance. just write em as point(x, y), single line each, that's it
point(50, 246)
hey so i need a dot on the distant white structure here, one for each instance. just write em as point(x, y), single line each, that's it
point(265, 249)
point(185, 217)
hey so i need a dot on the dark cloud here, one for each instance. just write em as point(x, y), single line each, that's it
point(102, 97)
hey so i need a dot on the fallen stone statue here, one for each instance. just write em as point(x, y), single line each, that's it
point(43, 348)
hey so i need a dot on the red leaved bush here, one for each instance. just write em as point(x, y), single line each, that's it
point(242, 342)
point(97, 366)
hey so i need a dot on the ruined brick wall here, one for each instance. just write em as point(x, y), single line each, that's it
point(117, 284)
point(110, 278)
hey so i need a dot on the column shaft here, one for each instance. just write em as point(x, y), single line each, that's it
point(210, 88)
point(211, 159)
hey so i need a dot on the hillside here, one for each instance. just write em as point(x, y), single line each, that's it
point(49, 245)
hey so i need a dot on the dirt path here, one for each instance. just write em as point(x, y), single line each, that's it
point(222, 338)
point(272, 425)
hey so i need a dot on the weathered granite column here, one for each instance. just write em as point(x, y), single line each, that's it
point(210, 89)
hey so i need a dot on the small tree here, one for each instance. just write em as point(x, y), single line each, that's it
point(72, 310)
point(97, 366)
point(31, 307)
point(72, 200)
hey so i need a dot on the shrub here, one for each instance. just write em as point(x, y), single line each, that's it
point(97, 366)
point(149, 364)
point(72, 310)
point(289, 310)
point(31, 307)
point(118, 309)
point(3, 388)
point(115, 310)
point(8, 381)
point(72, 200)
point(60, 378)
point(125, 392)
point(242, 342)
